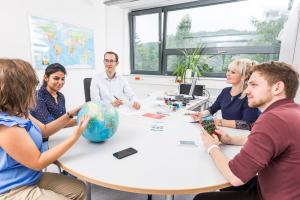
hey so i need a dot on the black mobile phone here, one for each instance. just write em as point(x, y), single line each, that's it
point(124, 153)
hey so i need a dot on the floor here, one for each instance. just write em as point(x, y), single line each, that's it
point(101, 193)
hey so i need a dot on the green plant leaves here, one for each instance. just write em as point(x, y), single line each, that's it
point(192, 60)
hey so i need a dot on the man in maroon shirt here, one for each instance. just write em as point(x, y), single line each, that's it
point(272, 150)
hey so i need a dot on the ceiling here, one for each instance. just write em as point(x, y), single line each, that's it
point(143, 4)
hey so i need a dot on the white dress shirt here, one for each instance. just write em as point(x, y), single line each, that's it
point(107, 90)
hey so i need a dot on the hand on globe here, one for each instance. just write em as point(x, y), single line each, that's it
point(82, 126)
point(75, 111)
point(103, 121)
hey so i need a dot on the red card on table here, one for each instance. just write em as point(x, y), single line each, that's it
point(152, 115)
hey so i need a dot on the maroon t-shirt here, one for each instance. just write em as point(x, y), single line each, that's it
point(273, 152)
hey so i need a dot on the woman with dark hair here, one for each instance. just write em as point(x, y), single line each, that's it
point(50, 103)
point(22, 156)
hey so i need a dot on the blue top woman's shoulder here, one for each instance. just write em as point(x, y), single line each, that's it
point(47, 109)
point(12, 173)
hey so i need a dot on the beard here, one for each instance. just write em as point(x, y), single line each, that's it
point(260, 103)
point(256, 104)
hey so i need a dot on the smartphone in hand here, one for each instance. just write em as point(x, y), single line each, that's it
point(209, 125)
point(124, 153)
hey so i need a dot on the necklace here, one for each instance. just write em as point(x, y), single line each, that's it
point(233, 94)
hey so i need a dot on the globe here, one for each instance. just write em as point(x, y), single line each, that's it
point(103, 122)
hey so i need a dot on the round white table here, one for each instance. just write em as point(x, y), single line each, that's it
point(161, 166)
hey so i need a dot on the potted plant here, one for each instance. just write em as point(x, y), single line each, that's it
point(192, 62)
point(180, 72)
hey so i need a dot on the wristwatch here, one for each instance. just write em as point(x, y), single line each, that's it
point(69, 115)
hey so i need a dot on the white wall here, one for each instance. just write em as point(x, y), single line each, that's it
point(148, 84)
point(117, 36)
point(290, 40)
point(15, 35)
point(297, 61)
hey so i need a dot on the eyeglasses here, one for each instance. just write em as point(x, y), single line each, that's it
point(109, 61)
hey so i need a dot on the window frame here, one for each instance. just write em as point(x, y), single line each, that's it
point(132, 26)
point(164, 53)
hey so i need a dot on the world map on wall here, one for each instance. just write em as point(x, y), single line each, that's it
point(66, 44)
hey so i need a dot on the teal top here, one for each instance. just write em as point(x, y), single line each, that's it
point(12, 173)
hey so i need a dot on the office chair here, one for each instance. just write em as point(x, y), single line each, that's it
point(185, 89)
point(87, 84)
point(55, 163)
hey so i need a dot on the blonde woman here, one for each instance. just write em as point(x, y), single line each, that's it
point(231, 101)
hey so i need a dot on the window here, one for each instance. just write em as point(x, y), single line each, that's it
point(224, 29)
point(146, 42)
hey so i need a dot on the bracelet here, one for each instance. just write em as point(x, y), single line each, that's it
point(212, 147)
point(69, 115)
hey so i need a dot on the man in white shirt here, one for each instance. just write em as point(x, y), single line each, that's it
point(111, 87)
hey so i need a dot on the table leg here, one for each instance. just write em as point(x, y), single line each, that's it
point(169, 197)
point(89, 191)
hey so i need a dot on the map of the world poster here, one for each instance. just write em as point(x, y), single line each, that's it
point(69, 45)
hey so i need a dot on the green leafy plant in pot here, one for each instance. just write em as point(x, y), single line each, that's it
point(193, 61)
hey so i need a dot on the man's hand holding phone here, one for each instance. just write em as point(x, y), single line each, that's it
point(209, 140)
point(223, 136)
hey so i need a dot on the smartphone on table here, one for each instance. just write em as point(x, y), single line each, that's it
point(124, 153)
point(187, 142)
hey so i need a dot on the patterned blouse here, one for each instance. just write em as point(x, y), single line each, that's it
point(47, 109)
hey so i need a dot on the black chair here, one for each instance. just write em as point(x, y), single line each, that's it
point(185, 89)
point(87, 84)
